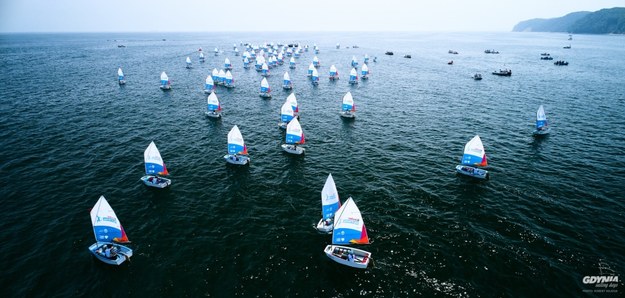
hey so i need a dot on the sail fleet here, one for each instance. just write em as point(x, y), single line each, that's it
point(343, 221)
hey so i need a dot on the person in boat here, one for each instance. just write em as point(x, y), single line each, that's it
point(110, 252)
point(350, 256)
point(328, 222)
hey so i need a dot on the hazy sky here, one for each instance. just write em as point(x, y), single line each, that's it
point(285, 15)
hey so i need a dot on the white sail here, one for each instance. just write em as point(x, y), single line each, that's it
point(286, 76)
point(164, 76)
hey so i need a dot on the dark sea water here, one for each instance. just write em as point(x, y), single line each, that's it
point(552, 212)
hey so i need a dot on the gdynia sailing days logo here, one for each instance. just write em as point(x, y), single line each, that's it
point(606, 282)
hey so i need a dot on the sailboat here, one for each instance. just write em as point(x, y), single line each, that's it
point(228, 80)
point(286, 114)
point(364, 72)
point(188, 62)
point(293, 101)
point(154, 166)
point(213, 107)
point(294, 137)
point(202, 57)
point(264, 70)
point(334, 73)
point(292, 63)
point(209, 85)
point(542, 126)
point(120, 77)
point(349, 228)
point(311, 67)
point(265, 91)
point(227, 64)
point(474, 156)
point(315, 77)
point(330, 203)
point(165, 84)
point(366, 59)
point(315, 62)
point(348, 109)
point(280, 59)
point(221, 78)
point(236, 51)
point(354, 62)
point(215, 75)
point(353, 77)
point(286, 82)
point(237, 151)
point(246, 63)
point(108, 233)
point(216, 50)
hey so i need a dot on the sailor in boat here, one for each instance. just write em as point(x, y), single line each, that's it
point(110, 252)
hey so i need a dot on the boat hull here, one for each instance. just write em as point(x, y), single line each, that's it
point(122, 82)
point(292, 149)
point(542, 132)
point(265, 95)
point(472, 172)
point(353, 82)
point(347, 114)
point(339, 254)
point(159, 183)
point(165, 88)
point(213, 114)
point(237, 159)
point(123, 253)
point(325, 228)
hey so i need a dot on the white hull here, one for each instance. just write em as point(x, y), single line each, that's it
point(206, 91)
point(123, 253)
point(339, 254)
point(325, 228)
point(347, 114)
point(282, 125)
point(292, 149)
point(472, 172)
point(160, 182)
point(541, 132)
point(213, 114)
point(237, 159)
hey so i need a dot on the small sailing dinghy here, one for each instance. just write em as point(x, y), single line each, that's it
point(354, 62)
point(286, 114)
point(315, 62)
point(474, 156)
point(542, 126)
point(202, 59)
point(213, 106)
point(154, 166)
point(348, 109)
point(293, 101)
point(294, 137)
point(228, 80)
point(227, 64)
point(315, 77)
point(353, 77)
point(286, 82)
point(264, 70)
point(292, 63)
point(330, 203)
point(188, 61)
point(246, 63)
point(108, 233)
point(209, 85)
point(349, 228)
point(334, 73)
point(364, 72)
point(165, 84)
point(311, 67)
point(120, 77)
point(237, 151)
point(265, 91)
point(221, 78)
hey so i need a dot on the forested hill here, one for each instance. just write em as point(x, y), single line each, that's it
point(605, 21)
